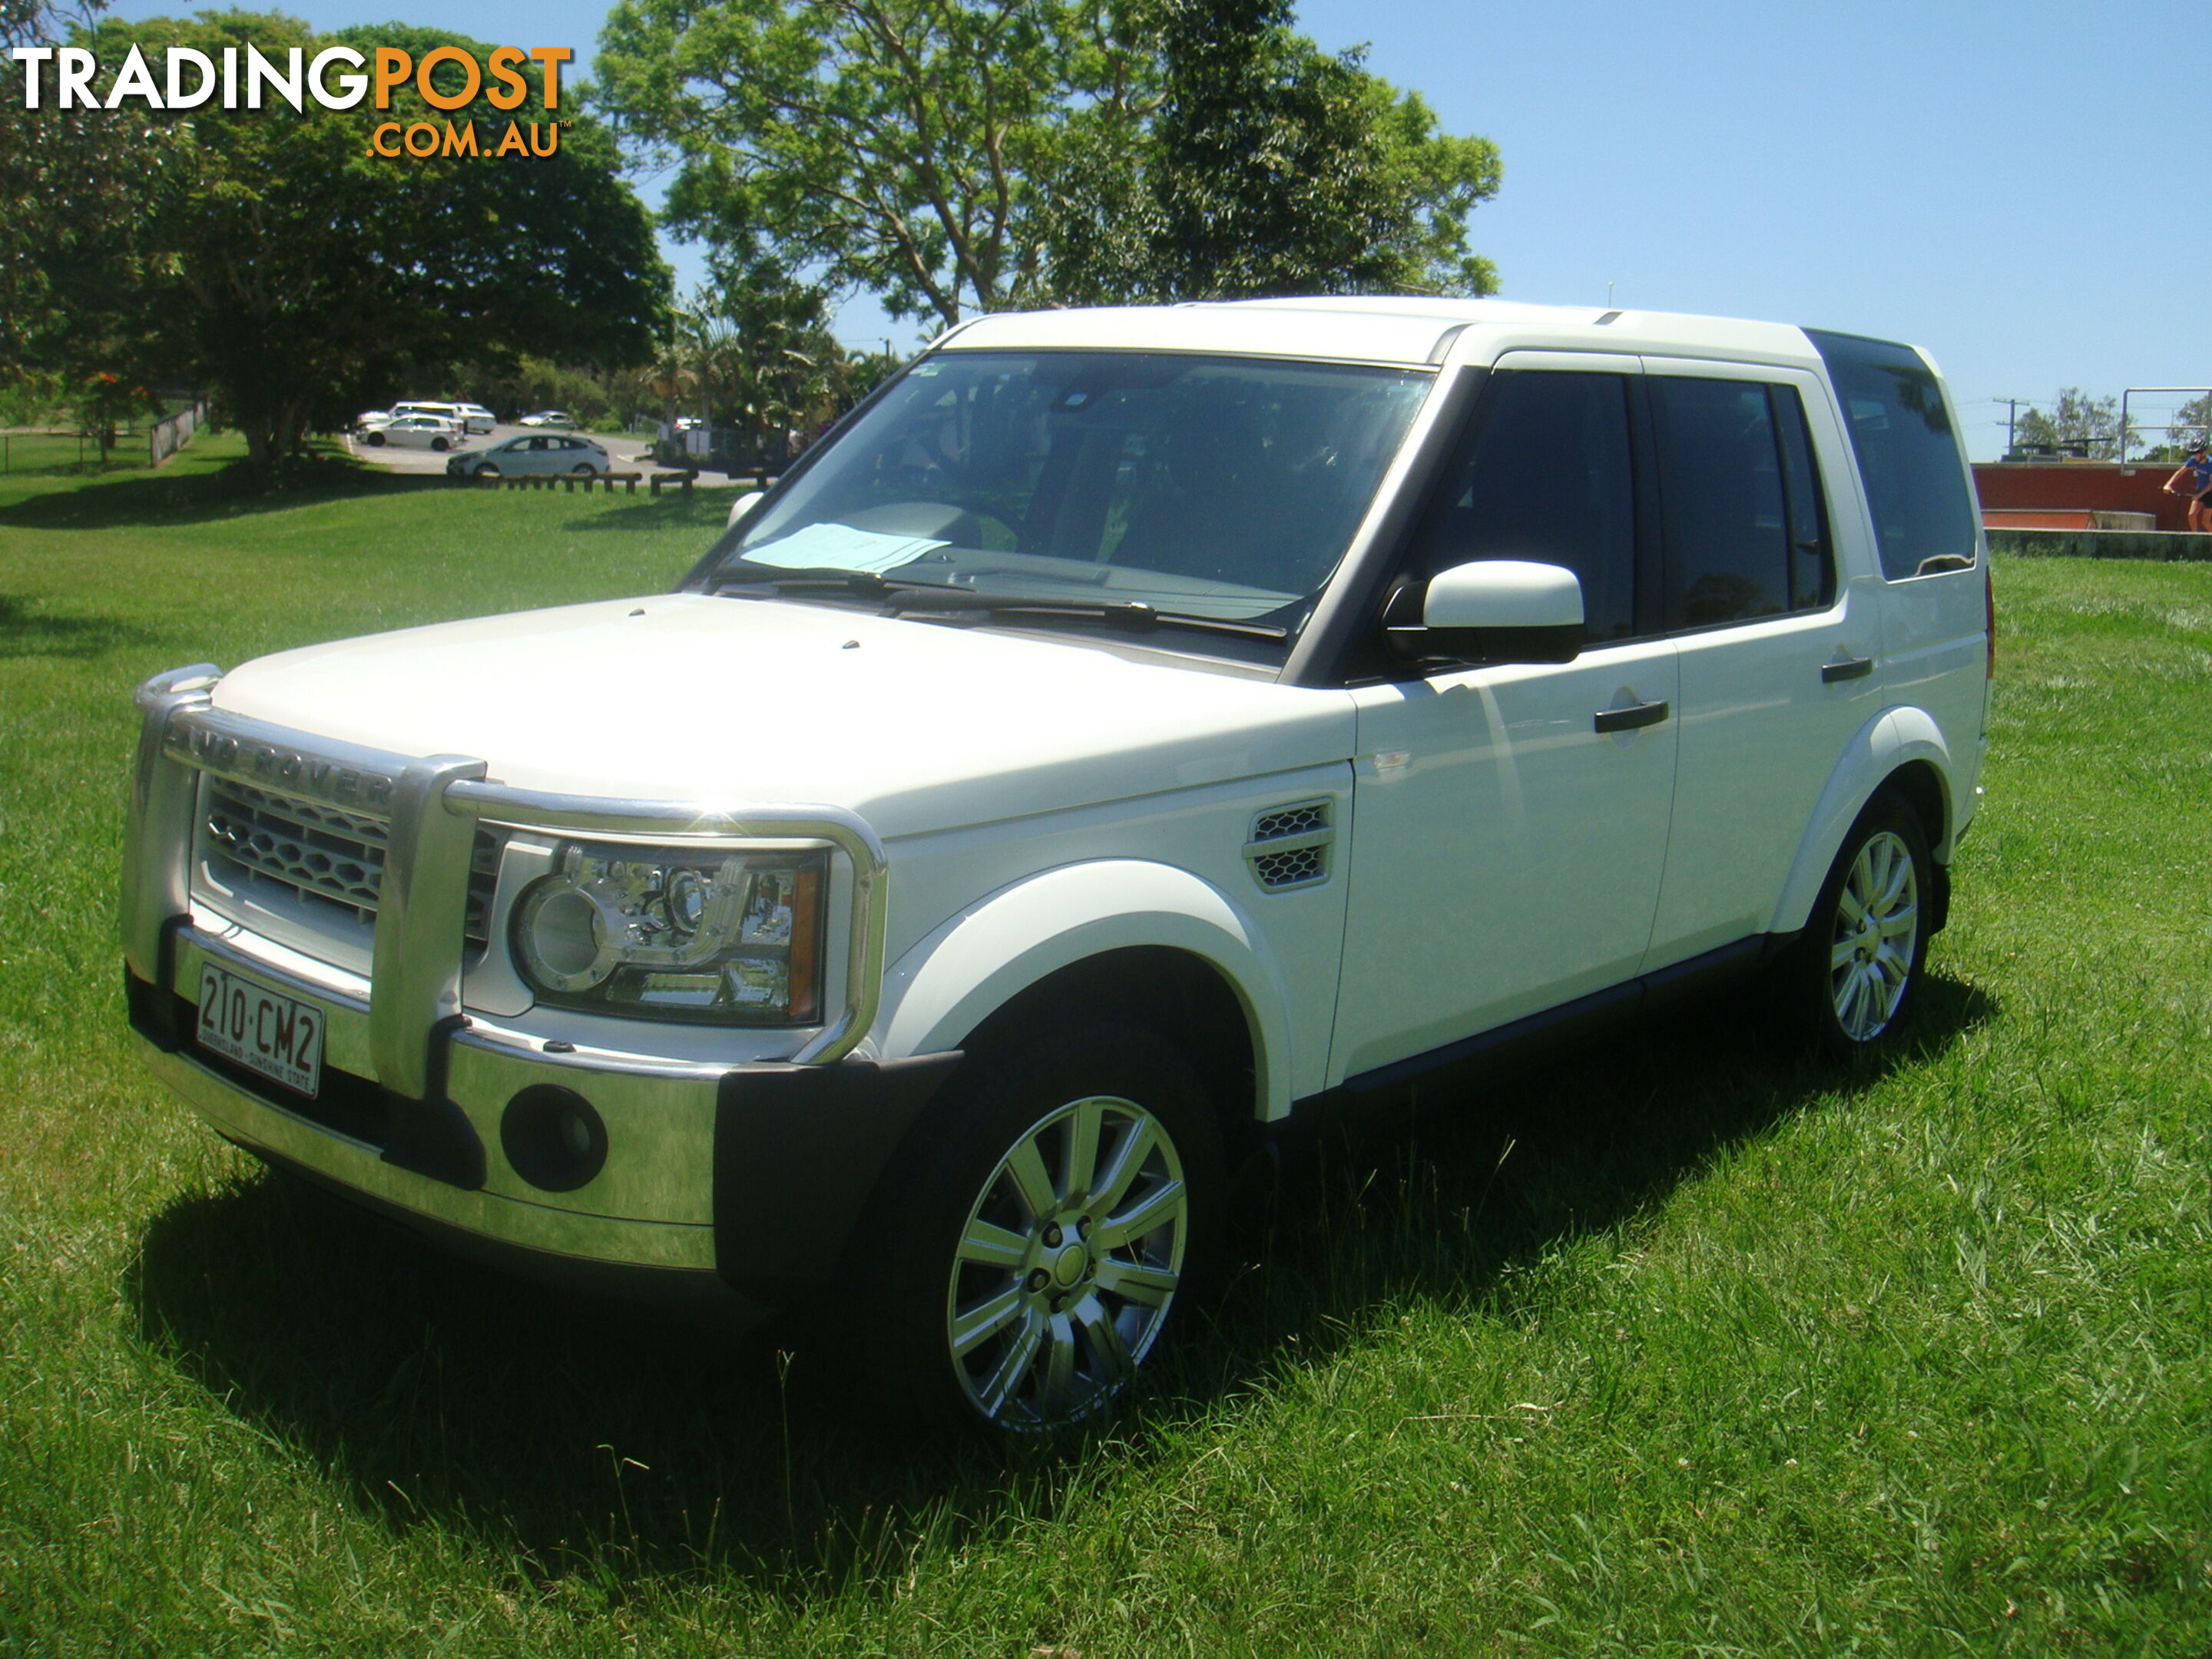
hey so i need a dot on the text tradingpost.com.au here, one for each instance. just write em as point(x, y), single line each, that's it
point(249, 79)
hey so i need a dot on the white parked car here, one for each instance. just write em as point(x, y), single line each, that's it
point(534, 452)
point(465, 417)
point(548, 417)
point(1133, 733)
point(416, 432)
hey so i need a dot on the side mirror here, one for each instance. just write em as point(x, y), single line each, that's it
point(1494, 610)
point(745, 504)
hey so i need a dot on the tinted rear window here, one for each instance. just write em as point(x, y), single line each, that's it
point(1740, 501)
point(1908, 453)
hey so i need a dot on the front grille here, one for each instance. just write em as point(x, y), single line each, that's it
point(324, 854)
point(1290, 846)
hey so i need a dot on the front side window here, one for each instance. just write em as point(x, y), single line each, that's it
point(1740, 511)
point(1219, 489)
point(1544, 474)
point(1908, 453)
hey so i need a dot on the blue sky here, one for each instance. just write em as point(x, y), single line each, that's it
point(2021, 190)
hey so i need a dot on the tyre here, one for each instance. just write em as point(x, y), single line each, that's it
point(440, 445)
point(376, 440)
point(583, 469)
point(487, 469)
point(1062, 1206)
point(1851, 976)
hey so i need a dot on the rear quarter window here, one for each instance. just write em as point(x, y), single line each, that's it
point(1907, 452)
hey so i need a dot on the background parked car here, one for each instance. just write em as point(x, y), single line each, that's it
point(550, 417)
point(417, 432)
point(465, 417)
point(536, 452)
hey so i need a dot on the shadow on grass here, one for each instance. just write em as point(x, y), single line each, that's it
point(1436, 1206)
point(227, 492)
point(672, 510)
point(634, 1448)
point(28, 633)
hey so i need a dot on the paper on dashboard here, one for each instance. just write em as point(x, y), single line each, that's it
point(841, 547)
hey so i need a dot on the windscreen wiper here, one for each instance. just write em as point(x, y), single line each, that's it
point(867, 583)
point(1133, 615)
point(903, 597)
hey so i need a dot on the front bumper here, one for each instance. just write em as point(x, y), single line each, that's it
point(732, 1188)
point(719, 1181)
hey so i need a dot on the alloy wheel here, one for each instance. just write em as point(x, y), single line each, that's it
point(1067, 1263)
point(1877, 923)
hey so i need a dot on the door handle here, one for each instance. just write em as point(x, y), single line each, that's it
point(1850, 668)
point(1629, 718)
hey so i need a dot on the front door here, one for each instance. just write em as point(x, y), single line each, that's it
point(1506, 852)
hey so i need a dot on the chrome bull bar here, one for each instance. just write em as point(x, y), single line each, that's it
point(435, 804)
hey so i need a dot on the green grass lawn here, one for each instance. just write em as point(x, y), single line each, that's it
point(1692, 1346)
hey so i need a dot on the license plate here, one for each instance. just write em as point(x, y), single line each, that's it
point(277, 1036)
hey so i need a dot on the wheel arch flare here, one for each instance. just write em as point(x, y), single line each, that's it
point(1901, 748)
point(981, 961)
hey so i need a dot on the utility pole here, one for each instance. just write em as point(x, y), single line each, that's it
point(2012, 413)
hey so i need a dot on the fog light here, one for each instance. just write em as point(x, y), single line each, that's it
point(554, 1138)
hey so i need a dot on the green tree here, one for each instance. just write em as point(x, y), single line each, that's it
point(1271, 168)
point(888, 145)
point(960, 155)
point(298, 275)
point(2074, 417)
point(77, 185)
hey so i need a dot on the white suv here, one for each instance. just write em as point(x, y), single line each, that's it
point(1132, 732)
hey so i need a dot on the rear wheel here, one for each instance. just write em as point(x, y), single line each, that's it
point(1851, 976)
point(440, 445)
point(582, 470)
point(1041, 1243)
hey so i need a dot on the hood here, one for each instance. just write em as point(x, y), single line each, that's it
point(733, 702)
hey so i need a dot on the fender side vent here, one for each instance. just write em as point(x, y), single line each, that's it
point(1290, 846)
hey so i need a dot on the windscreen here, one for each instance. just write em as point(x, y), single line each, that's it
point(1215, 487)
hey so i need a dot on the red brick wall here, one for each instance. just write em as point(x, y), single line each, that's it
point(2081, 486)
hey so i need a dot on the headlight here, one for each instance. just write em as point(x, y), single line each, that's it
point(724, 938)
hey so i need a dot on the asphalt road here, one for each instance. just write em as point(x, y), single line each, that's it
point(631, 453)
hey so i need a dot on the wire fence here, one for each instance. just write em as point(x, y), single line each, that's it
point(168, 435)
point(63, 449)
point(43, 452)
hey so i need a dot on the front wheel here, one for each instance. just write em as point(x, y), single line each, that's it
point(487, 469)
point(440, 445)
point(1065, 1203)
point(376, 440)
point(1853, 972)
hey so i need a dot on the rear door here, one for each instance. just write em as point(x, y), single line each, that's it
point(1778, 638)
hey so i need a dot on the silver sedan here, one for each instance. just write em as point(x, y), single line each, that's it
point(537, 451)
